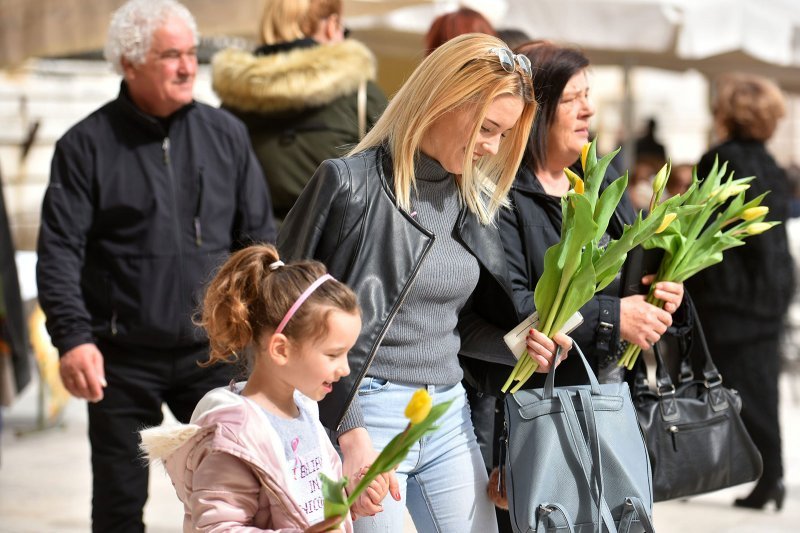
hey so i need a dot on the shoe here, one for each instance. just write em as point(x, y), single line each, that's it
point(762, 495)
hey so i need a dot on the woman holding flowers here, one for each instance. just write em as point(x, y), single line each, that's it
point(533, 223)
point(407, 220)
point(742, 300)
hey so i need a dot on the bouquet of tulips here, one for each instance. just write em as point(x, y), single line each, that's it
point(716, 218)
point(577, 266)
point(422, 414)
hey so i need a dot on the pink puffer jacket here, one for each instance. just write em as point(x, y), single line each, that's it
point(228, 466)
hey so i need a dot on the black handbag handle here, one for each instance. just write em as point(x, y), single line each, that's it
point(549, 383)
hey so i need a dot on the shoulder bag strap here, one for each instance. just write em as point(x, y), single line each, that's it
point(362, 109)
point(549, 383)
point(581, 451)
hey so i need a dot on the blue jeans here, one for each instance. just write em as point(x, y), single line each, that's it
point(443, 478)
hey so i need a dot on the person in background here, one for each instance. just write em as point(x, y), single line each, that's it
point(306, 94)
point(407, 221)
point(445, 27)
point(742, 300)
point(680, 179)
point(513, 37)
point(147, 196)
point(252, 455)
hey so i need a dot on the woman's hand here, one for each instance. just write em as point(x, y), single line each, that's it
point(669, 292)
point(543, 350)
point(642, 323)
point(358, 454)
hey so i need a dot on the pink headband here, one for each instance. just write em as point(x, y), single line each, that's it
point(303, 297)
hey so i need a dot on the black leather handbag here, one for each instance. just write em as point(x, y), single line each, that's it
point(695, 438)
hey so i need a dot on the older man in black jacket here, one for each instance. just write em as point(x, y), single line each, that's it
point(147, 196)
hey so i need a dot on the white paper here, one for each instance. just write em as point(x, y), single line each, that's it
point(515, 339)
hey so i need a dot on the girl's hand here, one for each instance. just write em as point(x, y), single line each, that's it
point(357, 456)
point(543, 350)
point(641, 323)
point(375, 492)
point(331, 524)
point(669, 292)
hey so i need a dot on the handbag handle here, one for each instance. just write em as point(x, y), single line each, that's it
point(549, 383)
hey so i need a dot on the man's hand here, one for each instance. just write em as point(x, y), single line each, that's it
point(82, 372)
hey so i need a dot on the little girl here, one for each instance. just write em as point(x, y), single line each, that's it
point(252, 455)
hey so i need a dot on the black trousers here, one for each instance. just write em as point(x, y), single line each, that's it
point(140, 381)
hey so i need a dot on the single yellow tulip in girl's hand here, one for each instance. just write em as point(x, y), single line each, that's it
point(419, 406)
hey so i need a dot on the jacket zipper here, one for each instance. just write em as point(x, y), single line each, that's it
point(176, 224)
point(198, 233)
point(388, 322)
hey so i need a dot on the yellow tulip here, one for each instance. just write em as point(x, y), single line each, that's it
point(754, 212)
point(584, 154)
point(758, 227)
point(666, 222)
point(419, 406)
point(575, 181)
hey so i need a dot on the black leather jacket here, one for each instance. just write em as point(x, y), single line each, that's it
point(347, 218)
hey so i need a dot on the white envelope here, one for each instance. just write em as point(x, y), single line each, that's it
point(515, 339)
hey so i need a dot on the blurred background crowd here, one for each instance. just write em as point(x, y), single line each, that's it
point(654, 72)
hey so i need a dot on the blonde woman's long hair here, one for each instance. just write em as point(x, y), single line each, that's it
point(461, 72)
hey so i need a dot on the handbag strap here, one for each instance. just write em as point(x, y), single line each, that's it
point(549, 383)
point(593, 477)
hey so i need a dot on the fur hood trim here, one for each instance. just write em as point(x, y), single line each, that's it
point(160, 442)
point(297, 79)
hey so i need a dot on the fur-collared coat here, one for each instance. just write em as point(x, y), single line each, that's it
point(299, 102)
point(229, 469)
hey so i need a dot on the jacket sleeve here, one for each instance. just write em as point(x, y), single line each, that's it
point(312, 228)
point(481, 339)
point(518, 268)
point(67, 214)
point(254, 221)
point(225, 495)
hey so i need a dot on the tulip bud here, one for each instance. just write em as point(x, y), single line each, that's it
point(757, 228)
point(419, 406)
point(667, 220)
point(754, 212)
point(584, 154)
point(575, 181)
point(659, 182)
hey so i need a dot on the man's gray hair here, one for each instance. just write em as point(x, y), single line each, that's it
point(130, 33)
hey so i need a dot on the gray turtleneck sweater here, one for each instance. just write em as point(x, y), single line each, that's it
point(422, 343)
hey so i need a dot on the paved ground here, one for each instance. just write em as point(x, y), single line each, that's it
point(45, 481)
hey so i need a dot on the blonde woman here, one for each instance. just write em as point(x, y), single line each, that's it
point(407, 221)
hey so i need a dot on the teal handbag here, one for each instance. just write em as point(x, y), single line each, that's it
point(576, 459)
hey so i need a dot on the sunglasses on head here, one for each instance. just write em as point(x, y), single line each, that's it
point(508, 58)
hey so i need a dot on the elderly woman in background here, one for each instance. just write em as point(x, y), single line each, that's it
point(306, 94)
point(742, 301)
point(407, 221)
point(533, 223)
